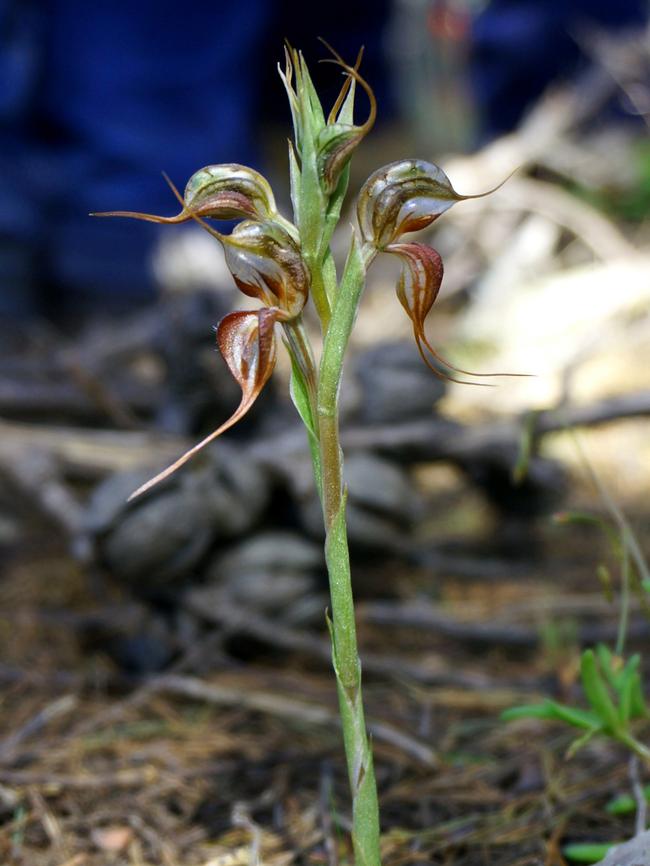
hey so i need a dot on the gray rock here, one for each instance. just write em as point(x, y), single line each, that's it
point(108, 501)
point(378, 484)
point(270, 592)
point(367, 529)
point(382, 504)
point(395, 384)
point(273, 573)
point(159, 539)
point(234, 487)
point(269, 551)
point(635, 852)
point(165, 534)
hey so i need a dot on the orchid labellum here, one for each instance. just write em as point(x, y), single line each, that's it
point(417, 290)
point(247, 343)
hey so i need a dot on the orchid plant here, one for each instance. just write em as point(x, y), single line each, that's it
point(284, 263)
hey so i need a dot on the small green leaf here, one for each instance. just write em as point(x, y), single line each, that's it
point(330, 277)
point(287, 74)
point(587, 852)
point(300, 398)
point(625, 804)
point(333, 214)
point(552, 711)
point(597, 693)
point(312, 202)
point(580, 742)
point(605, 655)
point(330, 629)
point(604, 576)
point(611, 666)
point(628, 679)
point(311, 104)
point(531, 711)
point(564, 518)
point(638, 708)
point(576, 717)
point(346, 112)
point(294, 178)
point(526, 447)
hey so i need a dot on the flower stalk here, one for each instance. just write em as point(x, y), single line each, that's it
point(345, 654)
point(283, 263)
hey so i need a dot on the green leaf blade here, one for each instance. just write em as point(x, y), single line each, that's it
point(597, 693)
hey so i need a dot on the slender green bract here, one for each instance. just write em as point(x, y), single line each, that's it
point(285, 263)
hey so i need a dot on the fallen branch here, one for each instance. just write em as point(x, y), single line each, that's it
point(427, 617)
point(95, 453)
point(216, 609)
point(284, 707)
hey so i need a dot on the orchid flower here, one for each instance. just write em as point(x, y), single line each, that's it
point(222, 192)
point(403, 197)
point(265, 263)
point(282, 264)
point(247, 343)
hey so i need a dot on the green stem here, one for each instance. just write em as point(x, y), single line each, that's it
point(636, 747)
point(625, 597)
point(345, 655)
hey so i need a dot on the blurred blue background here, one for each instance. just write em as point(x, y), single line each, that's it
point(96, 99)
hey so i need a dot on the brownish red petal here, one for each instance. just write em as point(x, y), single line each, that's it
point(417, 290)
point(247, 343)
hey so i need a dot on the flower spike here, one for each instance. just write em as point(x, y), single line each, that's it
point(278, 263)
point(247, 343)
point(223, 192)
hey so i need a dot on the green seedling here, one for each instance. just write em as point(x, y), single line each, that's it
point(614, 693)
point(286, 263)
point(612, 685)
